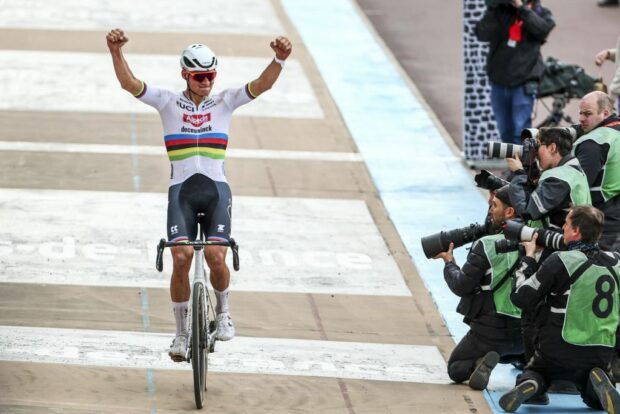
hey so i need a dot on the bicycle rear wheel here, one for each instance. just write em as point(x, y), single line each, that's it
point(199, 343)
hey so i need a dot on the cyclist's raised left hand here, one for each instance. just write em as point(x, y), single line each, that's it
point(116, 39)
point(282, 47)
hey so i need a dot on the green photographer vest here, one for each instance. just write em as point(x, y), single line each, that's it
point(501, 286)
point(577, 181)
point(591, 316)
point(610, 187)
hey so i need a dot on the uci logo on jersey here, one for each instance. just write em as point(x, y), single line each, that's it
point(186, 106)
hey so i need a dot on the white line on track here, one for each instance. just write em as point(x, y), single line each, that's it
point(159, 150)
point(108, 239)
point(276, 356)
point(85, 82)
point(247, 17)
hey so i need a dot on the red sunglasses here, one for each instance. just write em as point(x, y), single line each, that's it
point(201, 76)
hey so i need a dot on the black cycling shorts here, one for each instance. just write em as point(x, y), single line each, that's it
point(199, 194)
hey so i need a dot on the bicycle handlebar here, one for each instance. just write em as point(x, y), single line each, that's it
point(159, 261)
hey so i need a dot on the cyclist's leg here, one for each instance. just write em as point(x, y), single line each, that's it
point(219, 229)
point(180, 215)
point(220, 274)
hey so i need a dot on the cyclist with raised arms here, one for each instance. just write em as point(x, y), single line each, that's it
point(196, 126)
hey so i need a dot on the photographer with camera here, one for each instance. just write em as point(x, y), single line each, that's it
point(515, 30)
point(598, 152)
point(484, 288)
point(561, 185)
point(575, 296)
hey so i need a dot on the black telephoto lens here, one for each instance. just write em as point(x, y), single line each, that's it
point(506, 246)
point(440, 242)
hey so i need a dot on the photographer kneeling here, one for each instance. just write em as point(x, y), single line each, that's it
point(561, 185)
point(575, 296)
point(484, 287)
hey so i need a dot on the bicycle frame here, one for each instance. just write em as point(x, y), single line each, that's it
point(201, 330)
point(200, 274)
point(200, 277)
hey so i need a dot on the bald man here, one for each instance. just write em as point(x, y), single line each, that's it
point(598, 152)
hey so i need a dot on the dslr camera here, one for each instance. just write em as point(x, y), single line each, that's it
point(488, 181)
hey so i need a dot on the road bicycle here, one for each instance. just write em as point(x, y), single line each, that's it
point(201, 316)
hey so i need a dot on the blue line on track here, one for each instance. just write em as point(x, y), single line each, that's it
point(424, 187)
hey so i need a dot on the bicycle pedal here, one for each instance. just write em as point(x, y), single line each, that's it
point(178, 358)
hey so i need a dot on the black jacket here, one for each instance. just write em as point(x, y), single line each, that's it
point(477, 306)
point(514, 66)
point(551, 198)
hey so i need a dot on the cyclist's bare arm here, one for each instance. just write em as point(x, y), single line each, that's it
point(282, 48)
point(116, 39)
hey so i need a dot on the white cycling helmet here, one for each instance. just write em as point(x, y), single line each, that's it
point(198, 58)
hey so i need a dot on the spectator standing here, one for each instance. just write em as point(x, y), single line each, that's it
point(515, 31)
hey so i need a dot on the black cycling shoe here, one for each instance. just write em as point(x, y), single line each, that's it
point(605, 3)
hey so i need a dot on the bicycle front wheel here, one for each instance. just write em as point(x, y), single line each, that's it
point(199, 343)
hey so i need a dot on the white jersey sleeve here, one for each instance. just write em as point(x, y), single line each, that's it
point(155, 97)
point(235, 97)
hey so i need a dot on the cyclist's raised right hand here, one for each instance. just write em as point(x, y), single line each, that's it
point(116, 39)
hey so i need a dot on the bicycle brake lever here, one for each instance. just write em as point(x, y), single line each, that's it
point(159, 261)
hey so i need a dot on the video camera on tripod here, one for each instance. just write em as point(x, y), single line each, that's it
point(563, 82)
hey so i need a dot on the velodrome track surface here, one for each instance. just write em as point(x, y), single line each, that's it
point(331, 314)
point(330, 311)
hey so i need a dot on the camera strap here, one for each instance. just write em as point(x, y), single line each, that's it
point(507, 276)
point(580, 271)
point(614, 274)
